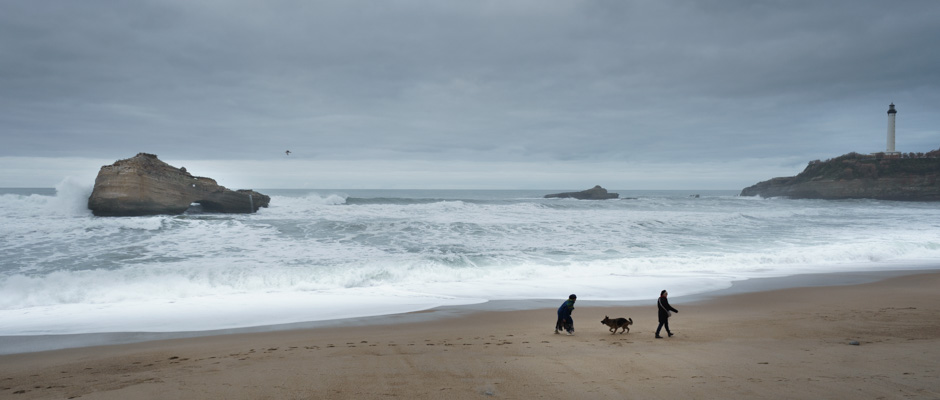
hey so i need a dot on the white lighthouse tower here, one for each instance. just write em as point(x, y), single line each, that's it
point(891, 113)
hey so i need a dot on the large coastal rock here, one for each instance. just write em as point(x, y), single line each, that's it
point(144, 185)
point(911, 177)
point(595, 193)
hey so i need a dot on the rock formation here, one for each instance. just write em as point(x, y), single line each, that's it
point(595, 193)
point(144, 185)
point(912, 177)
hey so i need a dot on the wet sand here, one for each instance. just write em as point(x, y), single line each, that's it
point(869, 341)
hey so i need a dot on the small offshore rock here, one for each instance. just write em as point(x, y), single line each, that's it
point(854, 343)
point(595, 193)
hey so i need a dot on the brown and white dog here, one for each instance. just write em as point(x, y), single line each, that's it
point(618, 323)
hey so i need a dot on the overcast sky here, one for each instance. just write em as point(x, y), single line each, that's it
point(502, 94)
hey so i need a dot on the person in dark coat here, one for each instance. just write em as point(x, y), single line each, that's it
point(565, 322)
point(663, 305)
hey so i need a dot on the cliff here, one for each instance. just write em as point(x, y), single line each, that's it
point(144, 185)
point(911, 177)
point(595, 193)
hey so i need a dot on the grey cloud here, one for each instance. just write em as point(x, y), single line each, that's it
point(491, 80)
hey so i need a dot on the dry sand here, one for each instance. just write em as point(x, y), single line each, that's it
point(791, 343)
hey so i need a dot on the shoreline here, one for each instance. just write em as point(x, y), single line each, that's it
point(878, 339)
point(20, 344)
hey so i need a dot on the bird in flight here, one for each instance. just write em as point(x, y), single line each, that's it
point(287, 152)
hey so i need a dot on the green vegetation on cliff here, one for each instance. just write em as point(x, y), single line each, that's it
point(871, 166)
point(906, 177)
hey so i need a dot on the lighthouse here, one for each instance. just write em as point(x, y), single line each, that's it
point(891, 113)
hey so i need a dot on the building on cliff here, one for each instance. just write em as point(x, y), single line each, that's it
point(890, 149)
point(888, 175)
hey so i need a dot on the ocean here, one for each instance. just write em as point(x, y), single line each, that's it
point(317, 255)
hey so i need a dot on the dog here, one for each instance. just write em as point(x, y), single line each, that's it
point(618, 323)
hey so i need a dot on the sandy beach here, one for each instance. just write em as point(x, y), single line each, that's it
point(870, 341)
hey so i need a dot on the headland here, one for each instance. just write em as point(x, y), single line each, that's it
point(902, 177)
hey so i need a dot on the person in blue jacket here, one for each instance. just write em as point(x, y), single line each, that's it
point(565, 322)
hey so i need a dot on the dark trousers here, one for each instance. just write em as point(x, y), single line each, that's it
point(564, 323)
point(660, 327)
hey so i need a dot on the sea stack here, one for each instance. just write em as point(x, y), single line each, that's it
point(144, 185)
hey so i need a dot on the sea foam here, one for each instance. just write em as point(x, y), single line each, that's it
point(320, 255)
